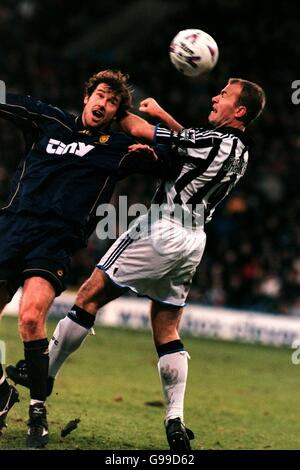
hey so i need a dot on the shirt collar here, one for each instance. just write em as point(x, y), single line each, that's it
point(80, 127)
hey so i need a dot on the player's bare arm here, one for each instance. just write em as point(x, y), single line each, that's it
point(140, 128)
point(137, 127)
point(151, 107)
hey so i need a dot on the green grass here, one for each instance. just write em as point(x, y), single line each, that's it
point(238, 396)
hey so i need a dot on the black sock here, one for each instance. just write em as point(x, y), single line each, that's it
point(4, 387)
point(170, 347)
point(81, 316)
point(37, 361)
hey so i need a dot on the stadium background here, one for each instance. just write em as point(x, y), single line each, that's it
point(50, 47)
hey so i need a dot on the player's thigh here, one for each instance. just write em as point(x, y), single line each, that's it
point(97, 291)
point(165, 320)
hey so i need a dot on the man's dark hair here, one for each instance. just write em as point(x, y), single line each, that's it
point(252, 97)
point(119, 84)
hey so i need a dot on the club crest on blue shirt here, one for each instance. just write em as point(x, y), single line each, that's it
point(104, 138)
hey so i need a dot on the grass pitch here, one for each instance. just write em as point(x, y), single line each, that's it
point(238, 396)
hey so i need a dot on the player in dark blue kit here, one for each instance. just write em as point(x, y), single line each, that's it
point(70, 166)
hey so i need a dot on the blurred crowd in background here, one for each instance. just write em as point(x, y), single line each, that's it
point(48, 50)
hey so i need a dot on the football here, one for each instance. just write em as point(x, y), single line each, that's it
point(193, 52)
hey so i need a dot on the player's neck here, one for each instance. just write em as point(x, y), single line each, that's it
point(235, 124)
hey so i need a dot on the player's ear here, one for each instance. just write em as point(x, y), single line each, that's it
point(85, 99)
point(240, 112)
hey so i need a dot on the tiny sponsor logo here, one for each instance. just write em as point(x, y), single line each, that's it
point(57, 147)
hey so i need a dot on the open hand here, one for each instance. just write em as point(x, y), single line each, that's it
point(143, 148)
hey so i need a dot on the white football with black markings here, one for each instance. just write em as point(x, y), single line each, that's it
point(193, 52)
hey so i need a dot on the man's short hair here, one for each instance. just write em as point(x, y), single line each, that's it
point(252, 97)
point(119, 84)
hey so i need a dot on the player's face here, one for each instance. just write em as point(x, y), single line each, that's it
point(101, 107)
point(224, 107)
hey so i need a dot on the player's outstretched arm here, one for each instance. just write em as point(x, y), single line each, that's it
point(151, 107)
point(24, 110)
point(142, 129)
point(137, 127)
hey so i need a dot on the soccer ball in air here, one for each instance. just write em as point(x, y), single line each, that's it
point(193, 52)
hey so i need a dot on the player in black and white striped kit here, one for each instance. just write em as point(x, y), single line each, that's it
point(157, 257)
point(212, 162)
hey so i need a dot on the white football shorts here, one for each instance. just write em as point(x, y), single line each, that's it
point(156, 260)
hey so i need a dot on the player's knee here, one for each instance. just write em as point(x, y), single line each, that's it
point(30, 321)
